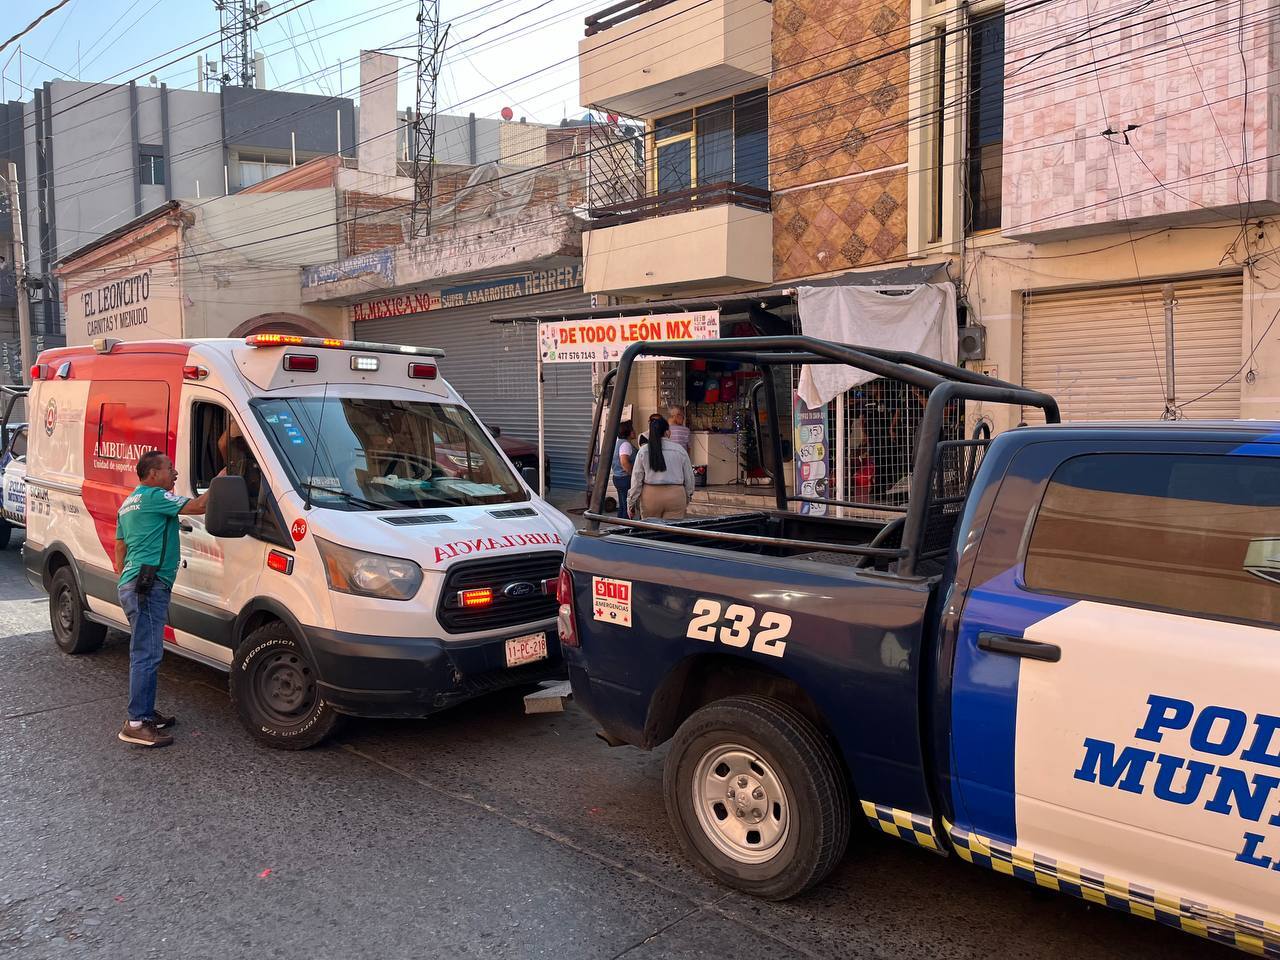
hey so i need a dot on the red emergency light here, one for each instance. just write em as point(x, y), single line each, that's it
point(423, 371)
point(280, 562)
point(39, 371)
point(478, 597)
point(328, 343)
point(195, 372)
point(301, 362)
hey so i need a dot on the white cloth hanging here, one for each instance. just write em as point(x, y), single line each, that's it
point(922, 321)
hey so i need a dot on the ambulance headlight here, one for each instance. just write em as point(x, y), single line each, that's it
point(369, 574)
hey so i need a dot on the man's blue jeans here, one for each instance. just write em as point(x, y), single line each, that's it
point(147, 615)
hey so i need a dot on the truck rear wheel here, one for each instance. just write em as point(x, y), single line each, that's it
point(757, 797)
point(273, 687)
point(73, 632)
point(6, 533)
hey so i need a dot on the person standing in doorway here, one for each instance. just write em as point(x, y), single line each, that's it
point(146, 560)
point(679, 432)
point(662, 482)
point(624, 454)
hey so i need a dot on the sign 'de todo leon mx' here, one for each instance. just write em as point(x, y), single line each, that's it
point(604, 339)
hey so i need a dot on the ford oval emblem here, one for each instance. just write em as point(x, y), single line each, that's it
point(521, 588)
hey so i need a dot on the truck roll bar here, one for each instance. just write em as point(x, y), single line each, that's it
point(944, 382)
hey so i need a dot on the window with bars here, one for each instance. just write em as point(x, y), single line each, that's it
point(986, 123)
point(725, 141)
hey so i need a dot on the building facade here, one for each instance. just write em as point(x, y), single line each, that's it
point(1096, 182)
point(93, 157)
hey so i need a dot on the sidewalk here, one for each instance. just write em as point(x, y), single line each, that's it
point(569, 502)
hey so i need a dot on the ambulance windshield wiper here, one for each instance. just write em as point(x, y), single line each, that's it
point(348, 497)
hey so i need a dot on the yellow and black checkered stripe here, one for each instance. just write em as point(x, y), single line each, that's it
point(1236, 930)
point(903, 824)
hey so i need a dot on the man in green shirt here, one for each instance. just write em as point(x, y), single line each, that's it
point(147, 541)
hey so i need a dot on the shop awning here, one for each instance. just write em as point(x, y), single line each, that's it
point(736, 302)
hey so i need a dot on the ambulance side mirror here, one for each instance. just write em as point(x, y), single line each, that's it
point(530, 476)
point(227, 513)
point(1263, 559)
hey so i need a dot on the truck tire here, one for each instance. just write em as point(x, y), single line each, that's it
point(757, 798)
point(6, 534)
point(73, 632)
point(273, 687)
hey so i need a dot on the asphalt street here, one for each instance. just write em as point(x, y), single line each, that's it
point(478, 832)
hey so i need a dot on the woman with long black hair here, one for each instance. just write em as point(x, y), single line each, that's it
point(662, 481)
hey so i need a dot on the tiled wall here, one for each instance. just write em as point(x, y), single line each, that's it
point(1180, 80)
point(838, 142)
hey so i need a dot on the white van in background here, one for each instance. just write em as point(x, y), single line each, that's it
point(367, 549)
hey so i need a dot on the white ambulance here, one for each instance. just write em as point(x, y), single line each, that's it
point(367, 550)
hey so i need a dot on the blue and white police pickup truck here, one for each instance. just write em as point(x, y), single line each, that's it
point(1059, 660)
point(13, 465)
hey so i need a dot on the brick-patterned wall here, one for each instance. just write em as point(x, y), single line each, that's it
point(1061, 173)
point(371, 222)
point(838, 144)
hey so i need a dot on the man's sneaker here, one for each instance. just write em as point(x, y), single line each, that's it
point(161, 721)
point(147, 735)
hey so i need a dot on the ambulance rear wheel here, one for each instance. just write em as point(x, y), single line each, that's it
point(274, 689)
point(757, 797)
point(73, 632)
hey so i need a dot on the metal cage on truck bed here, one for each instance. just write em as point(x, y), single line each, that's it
point(942, 470)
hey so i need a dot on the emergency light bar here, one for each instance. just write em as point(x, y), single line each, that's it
point(325, 343)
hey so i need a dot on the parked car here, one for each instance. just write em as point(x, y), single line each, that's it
point(1057, 661)
point(520, 452)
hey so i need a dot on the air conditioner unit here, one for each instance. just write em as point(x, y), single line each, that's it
point(973, 343)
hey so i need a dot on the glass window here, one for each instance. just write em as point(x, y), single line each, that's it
point(715, 142)
point(722, 142)
point(751, 139)
point(151, 167)
point(1184, 532)
point(377, 454)
point(986, 122)
point(218, 447)
point(18, 448)
point(675, 166)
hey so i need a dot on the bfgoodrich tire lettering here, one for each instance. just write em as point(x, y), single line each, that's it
point(273, 687)
point(794, 777)
point(73, 632)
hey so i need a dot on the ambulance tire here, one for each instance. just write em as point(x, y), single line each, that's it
point(273, 687)
point(6, 534)
point(796, 767)
point(73, 632)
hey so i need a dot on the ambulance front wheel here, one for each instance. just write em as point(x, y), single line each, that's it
point(73, 632)
point(757, 797)
point(274, 689)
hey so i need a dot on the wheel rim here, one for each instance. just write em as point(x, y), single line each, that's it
point(742, 804)
point(284, 687)
point(65, 611)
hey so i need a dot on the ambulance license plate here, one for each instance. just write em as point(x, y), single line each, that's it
point(526, 649)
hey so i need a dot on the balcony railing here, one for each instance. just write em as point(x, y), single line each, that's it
point(621, 13)
point(695, 198)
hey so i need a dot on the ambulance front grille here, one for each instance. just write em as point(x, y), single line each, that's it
point(497, 574)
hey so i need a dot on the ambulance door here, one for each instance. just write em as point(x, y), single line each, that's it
point(1116, 731)
point(217, 576)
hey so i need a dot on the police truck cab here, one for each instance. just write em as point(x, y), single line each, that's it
point(367, 548)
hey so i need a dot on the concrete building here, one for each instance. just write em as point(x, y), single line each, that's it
point(203, 268)
point(1084, 190)
point(93, 157)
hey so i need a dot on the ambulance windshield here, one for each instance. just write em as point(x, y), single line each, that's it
point(377, 454)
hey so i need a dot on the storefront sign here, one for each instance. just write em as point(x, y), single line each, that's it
point(134, 303)
point(603, 340)
point(380, 263)
point(812, 455)
point(466, 294)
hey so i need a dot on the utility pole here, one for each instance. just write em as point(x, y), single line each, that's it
point(20, 274)
point(430, 54)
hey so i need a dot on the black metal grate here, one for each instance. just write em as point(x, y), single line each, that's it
point(496, 574)
point(513, 512)
point(416, 519)
point(957, 464)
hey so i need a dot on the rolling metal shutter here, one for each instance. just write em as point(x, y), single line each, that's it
point(1101, 352)
point(493, 366)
